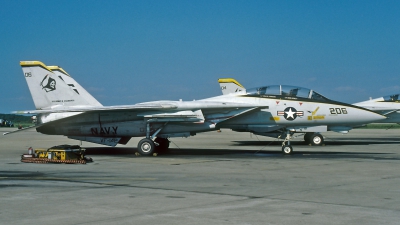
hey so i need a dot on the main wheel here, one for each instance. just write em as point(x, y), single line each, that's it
point(146, 146)
point(287, 149)
point(307, 137)
point(316, 139)
point(163, 144)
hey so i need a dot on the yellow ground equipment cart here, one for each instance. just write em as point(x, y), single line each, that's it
point(57, 154)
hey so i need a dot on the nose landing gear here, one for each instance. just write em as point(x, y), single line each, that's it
point(287, 149)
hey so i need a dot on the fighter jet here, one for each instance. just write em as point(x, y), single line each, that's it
point(388, 106)
point(63, 109)
point(304, 98)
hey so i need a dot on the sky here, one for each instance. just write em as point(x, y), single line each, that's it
point(127, 52)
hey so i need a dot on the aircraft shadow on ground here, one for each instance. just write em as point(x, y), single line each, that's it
point(229, 153)
point(276, 144)
point(327, 142)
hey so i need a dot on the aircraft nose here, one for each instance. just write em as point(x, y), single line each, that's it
point(376, 116)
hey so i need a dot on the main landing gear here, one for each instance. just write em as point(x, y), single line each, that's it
point(315, 139)
point(148, 147)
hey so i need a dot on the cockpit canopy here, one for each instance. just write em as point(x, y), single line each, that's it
point(286, 91)
point(391, 98)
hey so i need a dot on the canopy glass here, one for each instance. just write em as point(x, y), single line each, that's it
point(287, 91)
point(391, 98)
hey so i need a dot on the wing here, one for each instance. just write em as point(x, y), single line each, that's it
point(159, 111)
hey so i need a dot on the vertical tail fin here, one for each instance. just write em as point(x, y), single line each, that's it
point(229, 86)
point(49, 90)
point(62, 74)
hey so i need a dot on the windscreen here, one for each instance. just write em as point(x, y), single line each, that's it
point(391, 98)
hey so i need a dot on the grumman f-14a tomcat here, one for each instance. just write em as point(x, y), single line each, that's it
point(63, 107)
point(388, 106)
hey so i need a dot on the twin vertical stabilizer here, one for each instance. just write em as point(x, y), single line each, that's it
point(51, 89)
point(75, 86)
point(230, 86)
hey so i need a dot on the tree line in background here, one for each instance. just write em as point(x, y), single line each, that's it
point(16, 119)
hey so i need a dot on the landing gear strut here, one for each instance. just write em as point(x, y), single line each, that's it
point(147, 146)
point(287, 149)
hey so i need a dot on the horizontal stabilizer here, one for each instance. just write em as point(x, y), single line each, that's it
point(19, 130)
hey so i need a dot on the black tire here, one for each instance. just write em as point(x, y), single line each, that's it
point(287, 149)
point(146, 146)
point(316, 139)
point(307, 137)
point(163, 144)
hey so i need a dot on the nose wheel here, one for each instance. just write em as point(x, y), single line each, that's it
point(287, 149)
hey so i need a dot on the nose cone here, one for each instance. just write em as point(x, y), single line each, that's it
point(379, 116)
point(367, 116)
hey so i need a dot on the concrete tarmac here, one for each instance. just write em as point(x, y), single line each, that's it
point(211, 178)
